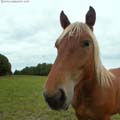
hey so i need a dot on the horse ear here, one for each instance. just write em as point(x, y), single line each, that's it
point(91, 17)
point(64, 21)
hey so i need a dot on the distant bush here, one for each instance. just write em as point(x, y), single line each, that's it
point(5, 66)
point(41, 69)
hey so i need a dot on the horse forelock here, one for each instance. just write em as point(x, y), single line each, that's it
point(72, 30)
point(103, 76)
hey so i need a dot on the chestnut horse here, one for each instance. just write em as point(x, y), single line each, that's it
point(78, 76)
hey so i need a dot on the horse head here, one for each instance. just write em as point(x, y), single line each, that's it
point(74, 62)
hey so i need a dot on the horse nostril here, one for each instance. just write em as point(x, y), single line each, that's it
point(57, 100)
point(62, 95)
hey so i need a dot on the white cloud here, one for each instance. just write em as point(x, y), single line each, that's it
point(28, 31)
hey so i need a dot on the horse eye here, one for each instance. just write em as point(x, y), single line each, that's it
point(86, 43)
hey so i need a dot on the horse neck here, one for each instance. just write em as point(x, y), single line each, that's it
point(89, 79)
point(86, 85)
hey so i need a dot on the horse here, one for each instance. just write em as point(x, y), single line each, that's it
point(78, 76)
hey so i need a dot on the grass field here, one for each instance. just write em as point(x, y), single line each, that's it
point(21, 99)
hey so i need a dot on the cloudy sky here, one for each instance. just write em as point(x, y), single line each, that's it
point(29, 30)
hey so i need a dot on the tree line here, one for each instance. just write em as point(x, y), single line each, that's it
point(41, 69)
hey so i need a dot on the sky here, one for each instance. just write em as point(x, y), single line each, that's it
point(28, 30)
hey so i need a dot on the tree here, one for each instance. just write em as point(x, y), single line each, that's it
point(41, 69)
point(5, 66)
point(17, 72)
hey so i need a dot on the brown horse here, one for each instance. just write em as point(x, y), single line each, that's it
point(78, 76)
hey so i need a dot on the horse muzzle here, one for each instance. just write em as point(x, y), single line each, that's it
point(56, 101)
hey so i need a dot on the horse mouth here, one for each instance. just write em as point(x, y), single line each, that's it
point(58, 108)
point(57, 101)
point(56, 105)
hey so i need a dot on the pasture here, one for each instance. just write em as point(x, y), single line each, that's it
point(21, 99)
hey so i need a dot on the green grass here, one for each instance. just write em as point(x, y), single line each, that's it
point(21, 99)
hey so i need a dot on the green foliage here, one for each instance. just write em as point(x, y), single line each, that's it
point(41, 69)
point(5, 66)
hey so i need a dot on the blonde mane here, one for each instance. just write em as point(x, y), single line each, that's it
point(103, 76)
